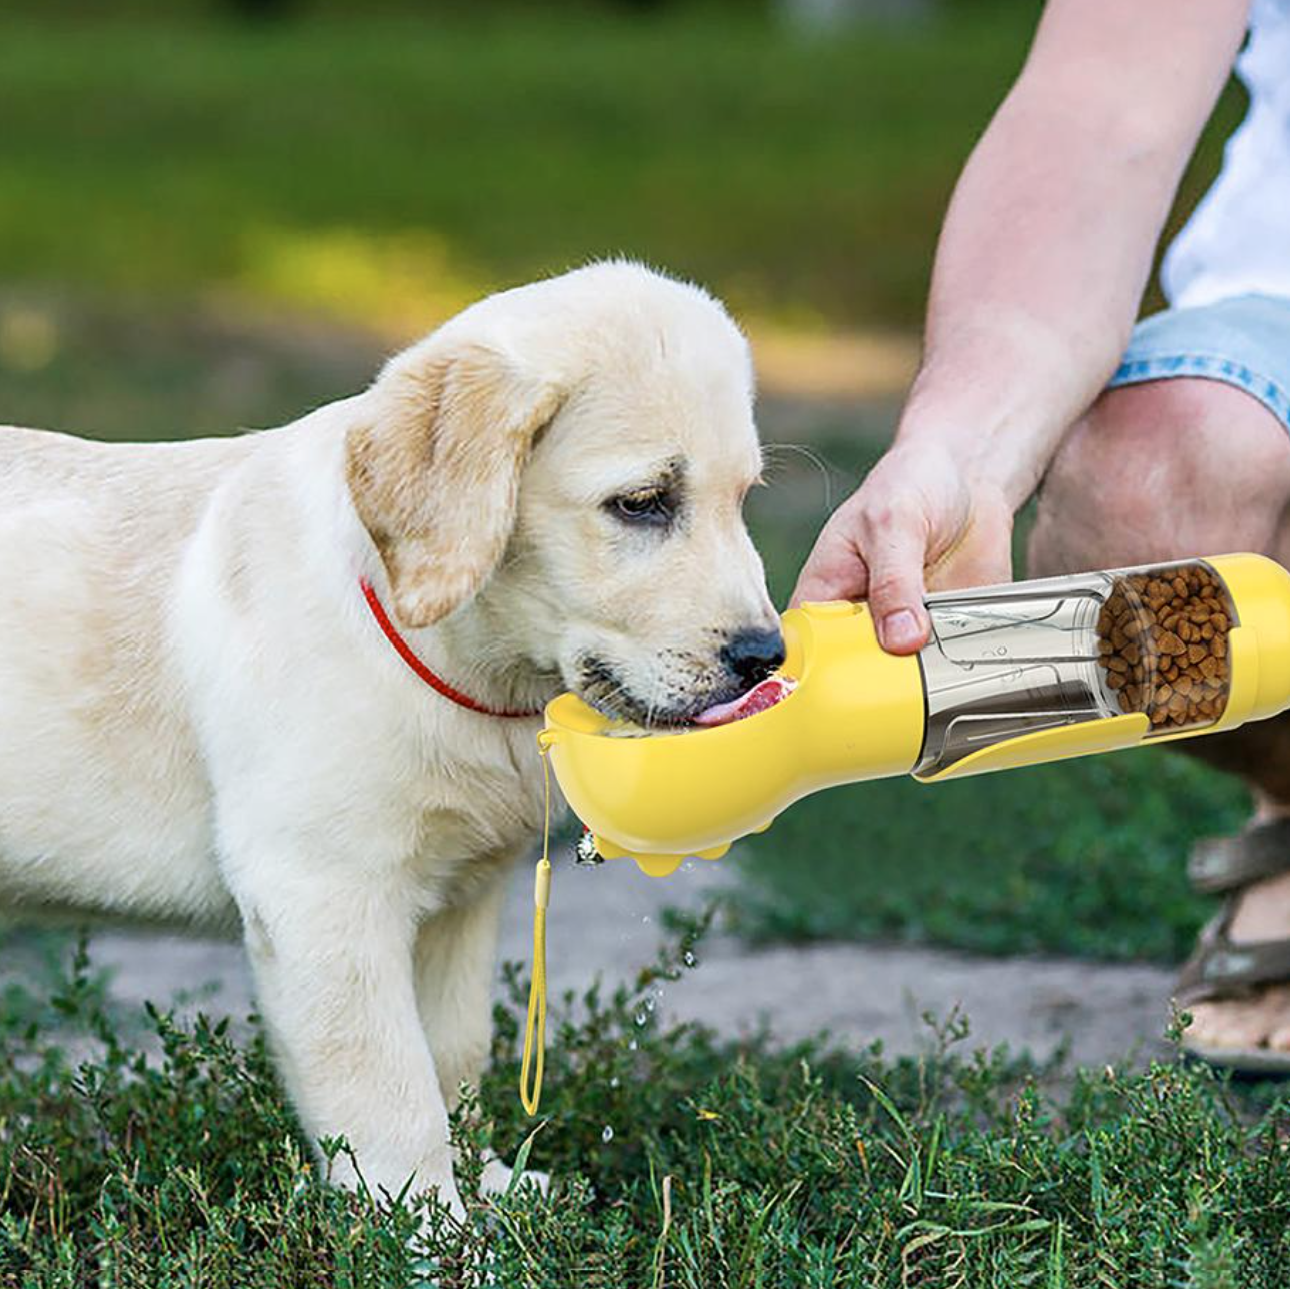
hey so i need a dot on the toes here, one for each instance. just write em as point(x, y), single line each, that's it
point(1227, 1025)
point(1262, 1021)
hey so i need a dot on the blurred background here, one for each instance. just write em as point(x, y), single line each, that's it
point(215, 214)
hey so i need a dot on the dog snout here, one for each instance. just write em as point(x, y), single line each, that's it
point(753, 654)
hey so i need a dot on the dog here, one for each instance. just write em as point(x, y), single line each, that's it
point(214, 658)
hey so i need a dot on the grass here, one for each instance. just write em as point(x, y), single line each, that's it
point(168, 1157)
point(385, 169)
point(1086, 858)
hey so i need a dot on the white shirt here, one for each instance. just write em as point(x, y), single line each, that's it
point(1238, 238)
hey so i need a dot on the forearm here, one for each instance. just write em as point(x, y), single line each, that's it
point(1046, 250)
point(1043, 258)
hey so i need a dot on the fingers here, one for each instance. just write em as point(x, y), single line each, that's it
point(895, 546)
point(915, 510)
point(889, 573)
point(981, 555)
point(835, 569)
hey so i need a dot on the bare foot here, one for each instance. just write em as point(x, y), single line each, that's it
point(1262, 1018)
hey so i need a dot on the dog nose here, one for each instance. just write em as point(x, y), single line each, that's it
point(753, 655)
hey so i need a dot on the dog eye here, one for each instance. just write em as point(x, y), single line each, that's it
point(650, 506)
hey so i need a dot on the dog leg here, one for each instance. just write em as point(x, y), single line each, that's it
point(456, 955)
point(333, 971)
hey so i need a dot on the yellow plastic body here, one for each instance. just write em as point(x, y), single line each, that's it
point(1259, 646)
point(857, 713)
point(1076, 740)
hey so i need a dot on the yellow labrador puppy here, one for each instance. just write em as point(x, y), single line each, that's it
point(291, 682)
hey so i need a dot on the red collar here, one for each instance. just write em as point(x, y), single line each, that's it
point(437, 683)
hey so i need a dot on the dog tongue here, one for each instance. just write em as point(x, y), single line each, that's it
point(766, 694)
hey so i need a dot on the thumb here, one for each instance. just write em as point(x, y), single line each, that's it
point(896, 591)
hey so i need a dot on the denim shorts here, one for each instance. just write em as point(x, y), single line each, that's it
point(1244, 341)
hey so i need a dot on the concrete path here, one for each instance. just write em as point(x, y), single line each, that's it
point(607, 921)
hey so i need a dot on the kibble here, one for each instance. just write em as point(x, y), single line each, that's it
point(1162, 645)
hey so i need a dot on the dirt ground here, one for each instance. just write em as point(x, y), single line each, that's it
point(607, 922)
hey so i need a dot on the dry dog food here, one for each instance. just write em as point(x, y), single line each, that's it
point(1162, 644)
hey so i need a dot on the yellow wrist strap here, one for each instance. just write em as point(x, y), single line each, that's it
point(535, 1023)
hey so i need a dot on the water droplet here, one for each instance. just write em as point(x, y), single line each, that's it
point(607, 1133)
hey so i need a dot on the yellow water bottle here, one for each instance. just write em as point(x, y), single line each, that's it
point(1012, 676)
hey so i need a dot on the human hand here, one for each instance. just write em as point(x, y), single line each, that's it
point(920, 519)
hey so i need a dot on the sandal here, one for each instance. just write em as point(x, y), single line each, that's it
point(1221, 968)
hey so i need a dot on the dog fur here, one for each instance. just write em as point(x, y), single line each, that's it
point(200, 721)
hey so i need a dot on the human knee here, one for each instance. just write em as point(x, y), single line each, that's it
point(1160, 471)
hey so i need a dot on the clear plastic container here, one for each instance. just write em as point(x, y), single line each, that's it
point(1012, 660)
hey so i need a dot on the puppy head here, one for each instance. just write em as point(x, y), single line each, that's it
point(573, 456)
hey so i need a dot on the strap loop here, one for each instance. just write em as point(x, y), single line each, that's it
point(535, 1022)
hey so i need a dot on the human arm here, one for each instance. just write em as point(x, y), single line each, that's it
point(1042, 260)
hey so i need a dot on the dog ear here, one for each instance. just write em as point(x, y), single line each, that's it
point(435, 472)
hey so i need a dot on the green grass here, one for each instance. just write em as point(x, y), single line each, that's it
point(386, 168)
point(678, 1159)
point(1085, 858)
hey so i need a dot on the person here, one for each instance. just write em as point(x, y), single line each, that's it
point(1164, 440)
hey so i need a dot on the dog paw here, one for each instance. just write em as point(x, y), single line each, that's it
point(497, 1175)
